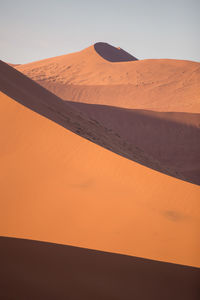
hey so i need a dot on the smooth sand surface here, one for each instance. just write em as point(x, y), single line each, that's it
point(35, 270)
point(59, 187)
point(90, 76)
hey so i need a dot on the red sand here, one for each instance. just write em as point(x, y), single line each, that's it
point(103, 74)
point(59, 187)
point(153, 84)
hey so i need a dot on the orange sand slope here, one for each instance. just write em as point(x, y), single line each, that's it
point(35, 270)
point(59, 187)
point(89, 76)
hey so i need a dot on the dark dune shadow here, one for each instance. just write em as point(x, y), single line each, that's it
point(37, 270)
point(113, 54)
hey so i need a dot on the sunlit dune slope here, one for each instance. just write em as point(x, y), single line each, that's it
point(102, 77)
point(35, 270)
point(59, 187)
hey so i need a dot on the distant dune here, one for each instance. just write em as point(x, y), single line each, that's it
point(164, 85)
point(59, 187)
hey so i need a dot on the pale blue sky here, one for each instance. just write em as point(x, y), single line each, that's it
point(36, 29)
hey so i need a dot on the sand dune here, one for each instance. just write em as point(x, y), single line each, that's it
point(50, 271)
point(59, 187)
point(102, 126)
point(102, 74)
point(17, 86)
point(87, 76)
point(170, 140)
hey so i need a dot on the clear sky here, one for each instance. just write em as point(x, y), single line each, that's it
point(36, 29)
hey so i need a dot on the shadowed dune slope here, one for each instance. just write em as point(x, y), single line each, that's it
point(59, 187)
point(112, 54)
point(75, 273)
point(151, 84)
point(173, 139)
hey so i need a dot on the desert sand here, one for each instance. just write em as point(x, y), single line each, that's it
point(100, 175)
point(153, 104)
point(89, 76)
point(59, 187)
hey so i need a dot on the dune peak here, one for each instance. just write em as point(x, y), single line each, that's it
point(113, 54)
